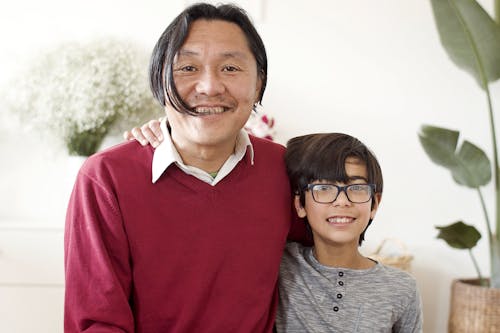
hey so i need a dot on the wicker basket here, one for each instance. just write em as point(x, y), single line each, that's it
point(402, 259)
point(473, 308)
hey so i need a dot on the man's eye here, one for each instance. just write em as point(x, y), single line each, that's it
point(229, 68)
point(187, 69)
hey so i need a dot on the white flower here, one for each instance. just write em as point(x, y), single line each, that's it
point(78, 91)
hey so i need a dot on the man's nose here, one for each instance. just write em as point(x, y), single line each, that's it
point(210, 83)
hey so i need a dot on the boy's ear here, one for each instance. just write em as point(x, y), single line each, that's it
point(301, 211)
point(376, 202)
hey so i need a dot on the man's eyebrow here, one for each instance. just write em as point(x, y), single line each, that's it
point(234, 54)
point(184, 52)
point(224, 55)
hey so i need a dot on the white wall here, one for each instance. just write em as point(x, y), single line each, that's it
point(374, 69)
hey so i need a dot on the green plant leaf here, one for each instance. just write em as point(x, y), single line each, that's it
point(459, 235)
point(474, 168)
point(469, 165)
point(470, 36)
point(440, 144)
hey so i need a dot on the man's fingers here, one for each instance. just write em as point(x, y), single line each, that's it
point(138, 134)
point(149, 135)
point(135, 134)
point(127, 135)
point(154, 125)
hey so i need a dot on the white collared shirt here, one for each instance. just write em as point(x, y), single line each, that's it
point(166, 154)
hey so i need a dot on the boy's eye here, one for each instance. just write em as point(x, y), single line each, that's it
point(323, 187)
point(359, 188)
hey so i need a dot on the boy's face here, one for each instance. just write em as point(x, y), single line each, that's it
point(339, 223)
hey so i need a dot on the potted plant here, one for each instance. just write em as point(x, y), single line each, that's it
point(79, 91)
point(471, 37)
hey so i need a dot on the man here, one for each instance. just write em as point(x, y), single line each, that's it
point(188, 237)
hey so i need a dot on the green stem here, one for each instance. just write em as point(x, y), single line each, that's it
point(486, 216)
point(495, 162)
point(484, 84)
point(476, 266)
point(497, 11)
point(87, 142)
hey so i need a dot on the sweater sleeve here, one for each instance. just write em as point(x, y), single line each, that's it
point(298, 231)
point(97, 261)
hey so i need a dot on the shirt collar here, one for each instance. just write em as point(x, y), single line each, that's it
point(166, 154)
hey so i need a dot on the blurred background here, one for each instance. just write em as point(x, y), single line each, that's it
point(373, 69)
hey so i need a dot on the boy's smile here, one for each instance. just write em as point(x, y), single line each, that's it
point(340, 219)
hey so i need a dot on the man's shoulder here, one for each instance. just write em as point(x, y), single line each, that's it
point(266, 145)
point(121, 156)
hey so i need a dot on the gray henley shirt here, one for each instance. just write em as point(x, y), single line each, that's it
point(317, 298)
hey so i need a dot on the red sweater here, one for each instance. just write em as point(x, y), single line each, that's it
point(179, 255)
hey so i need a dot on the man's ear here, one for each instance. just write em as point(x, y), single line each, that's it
point(376, 202)
point(258, 87)
point(301, 211)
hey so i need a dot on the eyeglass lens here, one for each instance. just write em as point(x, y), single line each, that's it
point(327, 193)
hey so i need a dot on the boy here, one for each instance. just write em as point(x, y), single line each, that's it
point(331, 287)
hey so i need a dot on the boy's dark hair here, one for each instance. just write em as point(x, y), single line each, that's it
point(160, 68)
point(322, 157)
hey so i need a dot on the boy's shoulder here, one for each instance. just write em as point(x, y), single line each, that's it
point(296, 249)
point(294, 255)
point(395, 280)
point(395, 273)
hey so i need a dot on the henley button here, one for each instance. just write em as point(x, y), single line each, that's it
point(341, 274)
point(339, 295)
point(335, 308)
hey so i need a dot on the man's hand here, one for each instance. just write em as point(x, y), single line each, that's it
point(149, 133)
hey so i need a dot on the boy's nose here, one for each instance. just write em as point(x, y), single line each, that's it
point(341, 199)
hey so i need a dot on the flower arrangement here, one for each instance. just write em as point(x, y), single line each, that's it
point(260, 125)
point(79, 92)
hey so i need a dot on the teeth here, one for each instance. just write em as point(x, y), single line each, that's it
point(339, 220)
point(209, 110)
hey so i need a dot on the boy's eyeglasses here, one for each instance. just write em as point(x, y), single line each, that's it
point(328, 193)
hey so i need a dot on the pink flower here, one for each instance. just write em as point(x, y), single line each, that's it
point(260, 125)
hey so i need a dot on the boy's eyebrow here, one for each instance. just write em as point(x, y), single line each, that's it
point(357, 177)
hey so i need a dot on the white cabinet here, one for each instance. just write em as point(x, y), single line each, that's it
point(31, 278)
point(28, 309)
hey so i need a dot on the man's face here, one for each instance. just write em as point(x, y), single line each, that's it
point(215, 74)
